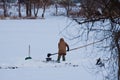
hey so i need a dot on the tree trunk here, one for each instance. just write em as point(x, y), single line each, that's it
point(68, 10)
point(56, 6)
point(36, 6)
point(27, 13)
point(117, 37)
point(44, 7)
point(19, 4)
point(5, 8)
point(118, 48)
point(28, 8)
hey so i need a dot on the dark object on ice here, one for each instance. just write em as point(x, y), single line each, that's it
point(12, 67)
point(28, 54)
point(9, 67)
point(28, 58)
point(48, 59)
point(100, 63)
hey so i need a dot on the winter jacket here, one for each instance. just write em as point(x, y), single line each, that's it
point(62, 45)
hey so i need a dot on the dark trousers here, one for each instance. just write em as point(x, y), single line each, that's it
point(59, 57)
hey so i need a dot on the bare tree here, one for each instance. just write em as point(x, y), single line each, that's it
point(103, 18)
point(37, 4)
point(67, 5)
point(44, 3)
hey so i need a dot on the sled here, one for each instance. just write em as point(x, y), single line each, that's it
point(48, 56)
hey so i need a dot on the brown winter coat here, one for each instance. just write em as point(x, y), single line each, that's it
point(62, 47)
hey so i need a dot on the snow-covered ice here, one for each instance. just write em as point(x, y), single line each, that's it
point(43, 36)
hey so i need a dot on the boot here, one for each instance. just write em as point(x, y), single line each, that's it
point(58, 60)
point(63, 57)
